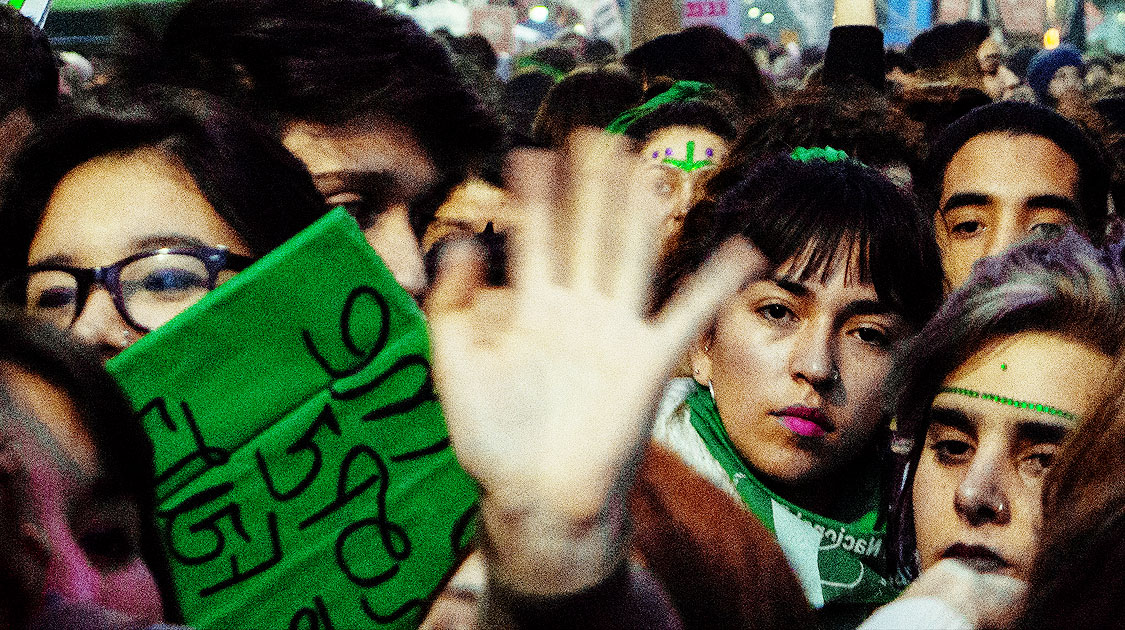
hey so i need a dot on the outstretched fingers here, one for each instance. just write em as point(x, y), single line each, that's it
point(727, 270)
point(532, 179)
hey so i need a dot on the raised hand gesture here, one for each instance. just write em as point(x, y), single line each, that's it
point(548, 384)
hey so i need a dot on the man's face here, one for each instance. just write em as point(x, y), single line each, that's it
point(999, 81)
point(992, 436)
point(998, 190)
point(376, 170)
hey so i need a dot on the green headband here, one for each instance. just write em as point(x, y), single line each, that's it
point(528, 63)
point(1011, 402)
point(680, 92)
point(828, 154)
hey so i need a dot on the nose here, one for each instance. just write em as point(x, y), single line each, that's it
point(1008, 79)
point(100, 325)
point(981, 497)
point(393, 238)
point(813, 358)
point(69, 574)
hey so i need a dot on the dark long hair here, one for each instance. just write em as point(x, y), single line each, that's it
point(264, 193)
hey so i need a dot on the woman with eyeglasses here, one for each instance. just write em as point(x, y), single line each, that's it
point(115, 221)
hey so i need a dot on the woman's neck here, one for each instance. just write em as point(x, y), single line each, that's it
point(844, 495)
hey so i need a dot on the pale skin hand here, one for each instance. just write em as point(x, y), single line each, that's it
point(986, 600)
point(548, 384)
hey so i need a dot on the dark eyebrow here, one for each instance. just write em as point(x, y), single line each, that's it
point(961, 200)
point(170, 239)
point(1054, 202)
point(1040, 432)
point(792, 286)
point(954, 419)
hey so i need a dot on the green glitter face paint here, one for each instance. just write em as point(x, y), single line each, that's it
point(688, 164)
point(1003, 367)
point(1011, 402)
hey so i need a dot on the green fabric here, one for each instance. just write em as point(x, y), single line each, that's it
point(680, 92)
point(528, 63)
point(852, 556)
point(305, 478)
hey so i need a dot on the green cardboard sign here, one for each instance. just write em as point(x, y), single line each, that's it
point(304, 474)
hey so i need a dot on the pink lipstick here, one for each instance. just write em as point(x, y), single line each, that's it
point(805, 421)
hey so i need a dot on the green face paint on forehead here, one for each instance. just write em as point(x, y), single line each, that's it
point(688, 164)
point(1012, 402)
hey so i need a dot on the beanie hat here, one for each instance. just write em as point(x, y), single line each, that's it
point(1046, 63)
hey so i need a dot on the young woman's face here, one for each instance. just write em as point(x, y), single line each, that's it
point(113, 207)
point(977, 488)
point(797, 368)
point(91, 532)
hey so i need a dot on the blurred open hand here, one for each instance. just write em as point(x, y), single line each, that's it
point(547, 384)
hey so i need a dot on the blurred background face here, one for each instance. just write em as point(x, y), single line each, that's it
point(674, 163)
point(1066, 82)
point(92, 530)
point(977, 487)
point(113, 207)
point(797, 368)
point(998, 190)
point(999, 81)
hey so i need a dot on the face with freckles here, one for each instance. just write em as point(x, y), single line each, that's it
point(113, 207)
point(797, 366)
point(993, 431)
point(91, 526)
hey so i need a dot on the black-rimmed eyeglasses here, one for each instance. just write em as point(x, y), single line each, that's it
point(148, 288)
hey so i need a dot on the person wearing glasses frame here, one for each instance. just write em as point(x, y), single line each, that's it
point(118, 220)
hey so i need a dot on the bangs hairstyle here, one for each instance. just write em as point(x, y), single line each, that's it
point(1063, 285)
point(816, 212)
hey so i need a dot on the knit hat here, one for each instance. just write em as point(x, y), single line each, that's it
point(1046, 63)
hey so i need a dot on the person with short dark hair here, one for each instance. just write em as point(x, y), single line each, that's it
point(590, 97)
point(1006, 171)
point(962, 54)
point(368, 101)
point(707, 55)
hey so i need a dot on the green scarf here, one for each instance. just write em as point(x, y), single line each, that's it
point(680, 92)
point(848, 560)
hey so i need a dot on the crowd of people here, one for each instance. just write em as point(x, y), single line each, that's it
point(720, 348)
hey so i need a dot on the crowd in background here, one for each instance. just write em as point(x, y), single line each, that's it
point(728, 336)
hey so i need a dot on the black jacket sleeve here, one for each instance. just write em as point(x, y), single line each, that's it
point(855, 54)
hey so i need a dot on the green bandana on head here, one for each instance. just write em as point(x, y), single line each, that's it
point(680, 92)
point(837, 562)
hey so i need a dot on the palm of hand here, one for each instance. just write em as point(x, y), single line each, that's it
point(547, 384)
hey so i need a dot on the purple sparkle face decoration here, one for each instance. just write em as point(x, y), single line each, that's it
point(709, 152)
point(655, 154)
point(668, 151)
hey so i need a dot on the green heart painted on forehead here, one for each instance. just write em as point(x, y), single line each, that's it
point(688, 164)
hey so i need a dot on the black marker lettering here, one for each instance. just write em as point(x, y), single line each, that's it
point(238, 576)
point(346, 334)
point(344, 494)
point(305, 443)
